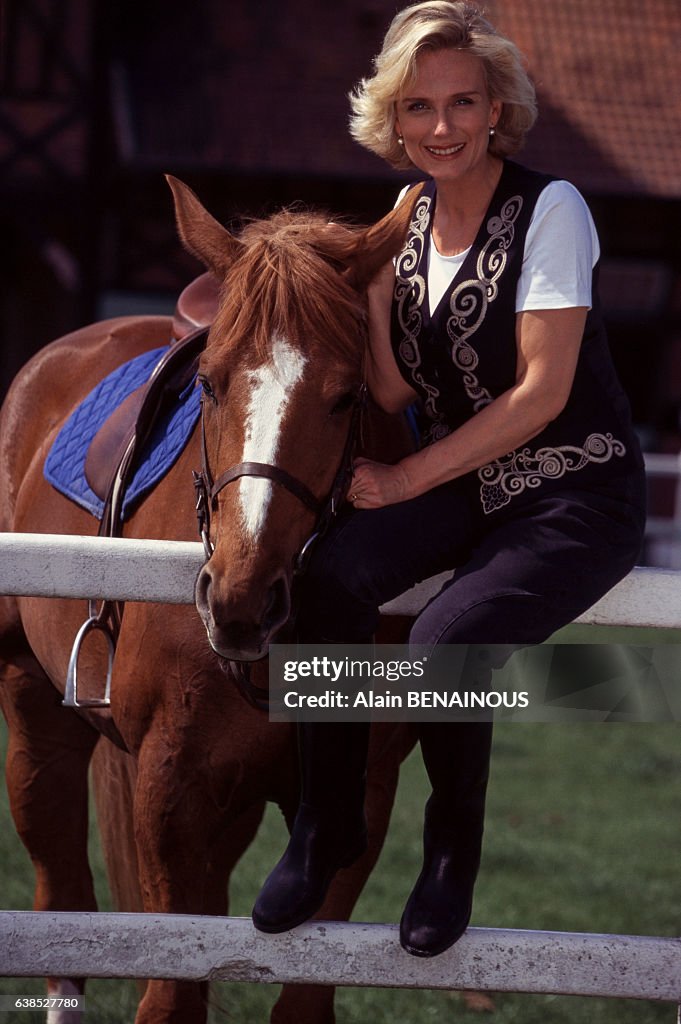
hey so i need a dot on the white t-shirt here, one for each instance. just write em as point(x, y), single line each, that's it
point(561, 249)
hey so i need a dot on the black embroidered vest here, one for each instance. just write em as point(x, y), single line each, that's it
point(464, 356)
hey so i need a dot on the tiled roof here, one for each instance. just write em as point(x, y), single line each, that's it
point(608, 77)
point(263, 88)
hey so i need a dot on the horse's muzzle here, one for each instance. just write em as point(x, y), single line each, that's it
point(240, 621)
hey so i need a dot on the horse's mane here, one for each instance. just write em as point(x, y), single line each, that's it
point(288, 280)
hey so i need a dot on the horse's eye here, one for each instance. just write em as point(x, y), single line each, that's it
point(207, 389)
point(344, 403)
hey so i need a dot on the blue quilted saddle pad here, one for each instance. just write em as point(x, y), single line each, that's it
point(65, 464)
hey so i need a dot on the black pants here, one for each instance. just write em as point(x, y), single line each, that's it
point(521, 572)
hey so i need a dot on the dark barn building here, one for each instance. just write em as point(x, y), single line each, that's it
point(247, 102)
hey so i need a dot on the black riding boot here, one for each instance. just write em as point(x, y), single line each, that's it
point(456, 756)
point(329, 831)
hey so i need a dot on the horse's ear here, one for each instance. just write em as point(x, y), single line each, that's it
point(382, 241)
point(200, 233)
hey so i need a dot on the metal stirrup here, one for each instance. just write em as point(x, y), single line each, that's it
point(95, 622)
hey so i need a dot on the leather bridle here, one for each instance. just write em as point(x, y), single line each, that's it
point(208, 489)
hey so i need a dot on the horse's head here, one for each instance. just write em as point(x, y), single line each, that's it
point(281, 375)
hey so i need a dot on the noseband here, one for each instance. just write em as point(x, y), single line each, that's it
point(208, 489)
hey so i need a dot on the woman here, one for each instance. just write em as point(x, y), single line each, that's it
point(529, 482)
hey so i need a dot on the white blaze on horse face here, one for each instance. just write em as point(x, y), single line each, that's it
point(271, 390)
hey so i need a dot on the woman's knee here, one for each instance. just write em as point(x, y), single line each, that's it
point(337, 602)
point(505, 619)
point(337, 571)
point(362, 556)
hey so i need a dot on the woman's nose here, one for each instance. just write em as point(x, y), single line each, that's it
point(442, 126)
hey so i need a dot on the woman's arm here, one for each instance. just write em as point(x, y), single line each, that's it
point(387, 385)
point(547, 343)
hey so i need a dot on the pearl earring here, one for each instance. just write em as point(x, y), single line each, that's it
point(492, 131)
point(400, 140)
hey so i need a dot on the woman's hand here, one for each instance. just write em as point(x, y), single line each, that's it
point(548, 344)
point(375, 484)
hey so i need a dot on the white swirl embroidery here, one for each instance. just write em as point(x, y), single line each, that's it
point(470, 299)
point(504, 478)
point(468, 304)
point(409, 295)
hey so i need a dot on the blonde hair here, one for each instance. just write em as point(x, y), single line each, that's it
point(439, 25)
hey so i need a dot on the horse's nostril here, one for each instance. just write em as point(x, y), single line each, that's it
point(202, 591)
point(228, 611)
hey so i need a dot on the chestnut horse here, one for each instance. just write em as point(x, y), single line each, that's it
point(280, 373)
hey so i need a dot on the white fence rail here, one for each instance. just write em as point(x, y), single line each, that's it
point(230, 949)
point(205, 948)
point(46, 565)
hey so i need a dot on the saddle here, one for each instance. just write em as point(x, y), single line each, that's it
point(196, 306)
point(115, 449)
point(131, 423)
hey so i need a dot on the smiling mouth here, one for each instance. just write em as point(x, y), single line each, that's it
point(445, 150)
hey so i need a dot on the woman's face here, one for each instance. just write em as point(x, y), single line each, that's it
point(446, 114)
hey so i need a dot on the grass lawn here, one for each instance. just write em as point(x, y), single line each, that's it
point(582, 835)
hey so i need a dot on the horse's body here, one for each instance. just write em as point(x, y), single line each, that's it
point(201, 762)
